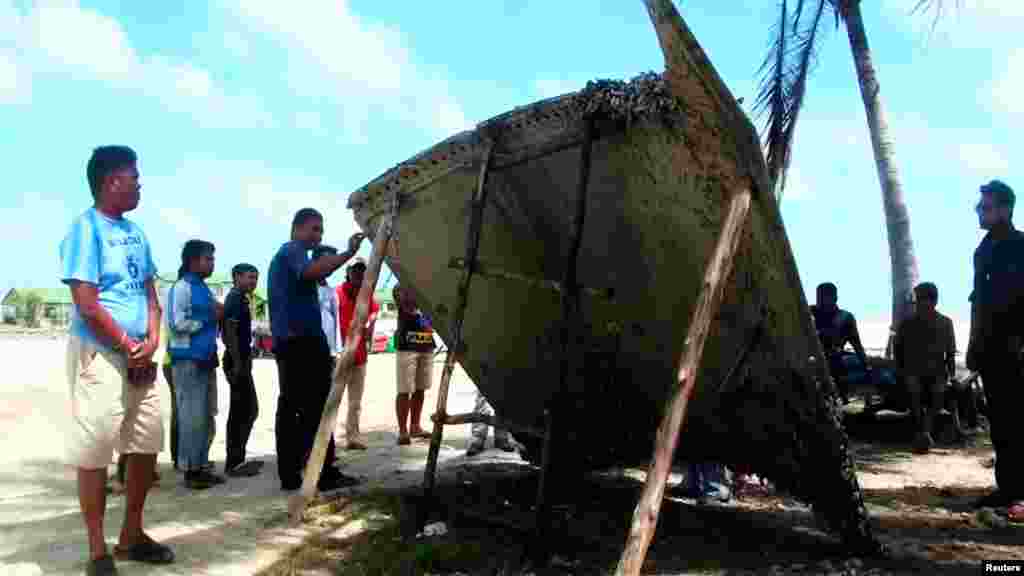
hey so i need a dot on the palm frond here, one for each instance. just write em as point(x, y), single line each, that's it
point(784, 74)
point(806, 49)
point(771, 98)
point(936, 7)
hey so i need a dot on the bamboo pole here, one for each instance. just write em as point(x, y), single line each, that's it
point(455, 349)
point(342, 374)
point(645, 517)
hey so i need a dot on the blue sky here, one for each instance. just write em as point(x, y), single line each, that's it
point(244, 111)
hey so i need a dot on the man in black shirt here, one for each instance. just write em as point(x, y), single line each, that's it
point(414, 341)
point(836, 327)
point(237, 335)
point(997, 330)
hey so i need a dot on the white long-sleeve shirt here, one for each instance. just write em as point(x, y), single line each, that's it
point(329, 317)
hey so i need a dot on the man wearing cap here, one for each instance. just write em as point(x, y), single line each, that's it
point(997, 335)
point(346, 295)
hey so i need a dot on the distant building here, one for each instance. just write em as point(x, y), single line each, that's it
point(54, 309)
point(8, 308)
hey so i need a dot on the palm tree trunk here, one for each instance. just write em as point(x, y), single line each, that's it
point(897, 219)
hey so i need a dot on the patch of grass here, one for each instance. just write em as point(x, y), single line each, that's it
point(362, 536)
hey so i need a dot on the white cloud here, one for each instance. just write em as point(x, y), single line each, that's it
point(959, 20)
point(61, 35)
point(184, 221)
point(366, 67)
point(796, 187)
point(82, 40)
point(983, 160)
point(191, 90)
point(236, 44)
point(308, 120)
point(549, 88)
point(450, 118)
point(15, 78)
point(15, 84)
point(1004, 93)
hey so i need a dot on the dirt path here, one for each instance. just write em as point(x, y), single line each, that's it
point(237, 528)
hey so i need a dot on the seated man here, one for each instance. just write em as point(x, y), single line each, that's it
point(836, 327)
point(925, 350)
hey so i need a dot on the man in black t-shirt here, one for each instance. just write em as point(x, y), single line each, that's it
point(237, 335)
point(836, 327)
point(414, 344)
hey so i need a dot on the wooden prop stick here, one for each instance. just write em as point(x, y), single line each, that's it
point(455, 349)
point(342, 374)
point(645, 517)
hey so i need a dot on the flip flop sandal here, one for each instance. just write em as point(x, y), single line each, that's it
point(421, 434)
point(147, 551)
point(102, 566)
point(404, 441)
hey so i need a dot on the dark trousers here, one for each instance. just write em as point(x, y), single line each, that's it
point(1001, 379)
point(837, 370)
point(242, 413)
point(304, 373)
point(174, 414)
point(926, 394)
point(962, 402)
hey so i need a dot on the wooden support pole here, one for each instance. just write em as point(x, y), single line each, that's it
point(645, 517)
point(455, 348)
point(342, 373)
point(492, 421)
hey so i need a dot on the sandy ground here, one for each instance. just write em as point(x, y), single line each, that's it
point(236, 528)
point(240, 527)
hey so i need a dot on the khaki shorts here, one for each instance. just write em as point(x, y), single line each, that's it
point(108, 413)
point(415, 371)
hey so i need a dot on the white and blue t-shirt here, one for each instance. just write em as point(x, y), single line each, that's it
point(115, 256)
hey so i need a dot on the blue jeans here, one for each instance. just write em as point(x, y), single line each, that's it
point(705, 480)
point(192, 399)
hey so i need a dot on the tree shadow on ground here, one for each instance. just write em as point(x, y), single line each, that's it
point(212, 531)
point(590, 519)
point(885, 440)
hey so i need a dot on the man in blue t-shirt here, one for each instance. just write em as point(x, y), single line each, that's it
point(106, 262)
point(300, 348)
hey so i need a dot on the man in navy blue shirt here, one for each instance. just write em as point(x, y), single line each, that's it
point(997, 331)
point(300, 347)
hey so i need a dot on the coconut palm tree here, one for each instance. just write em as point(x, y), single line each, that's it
point(795, 41)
